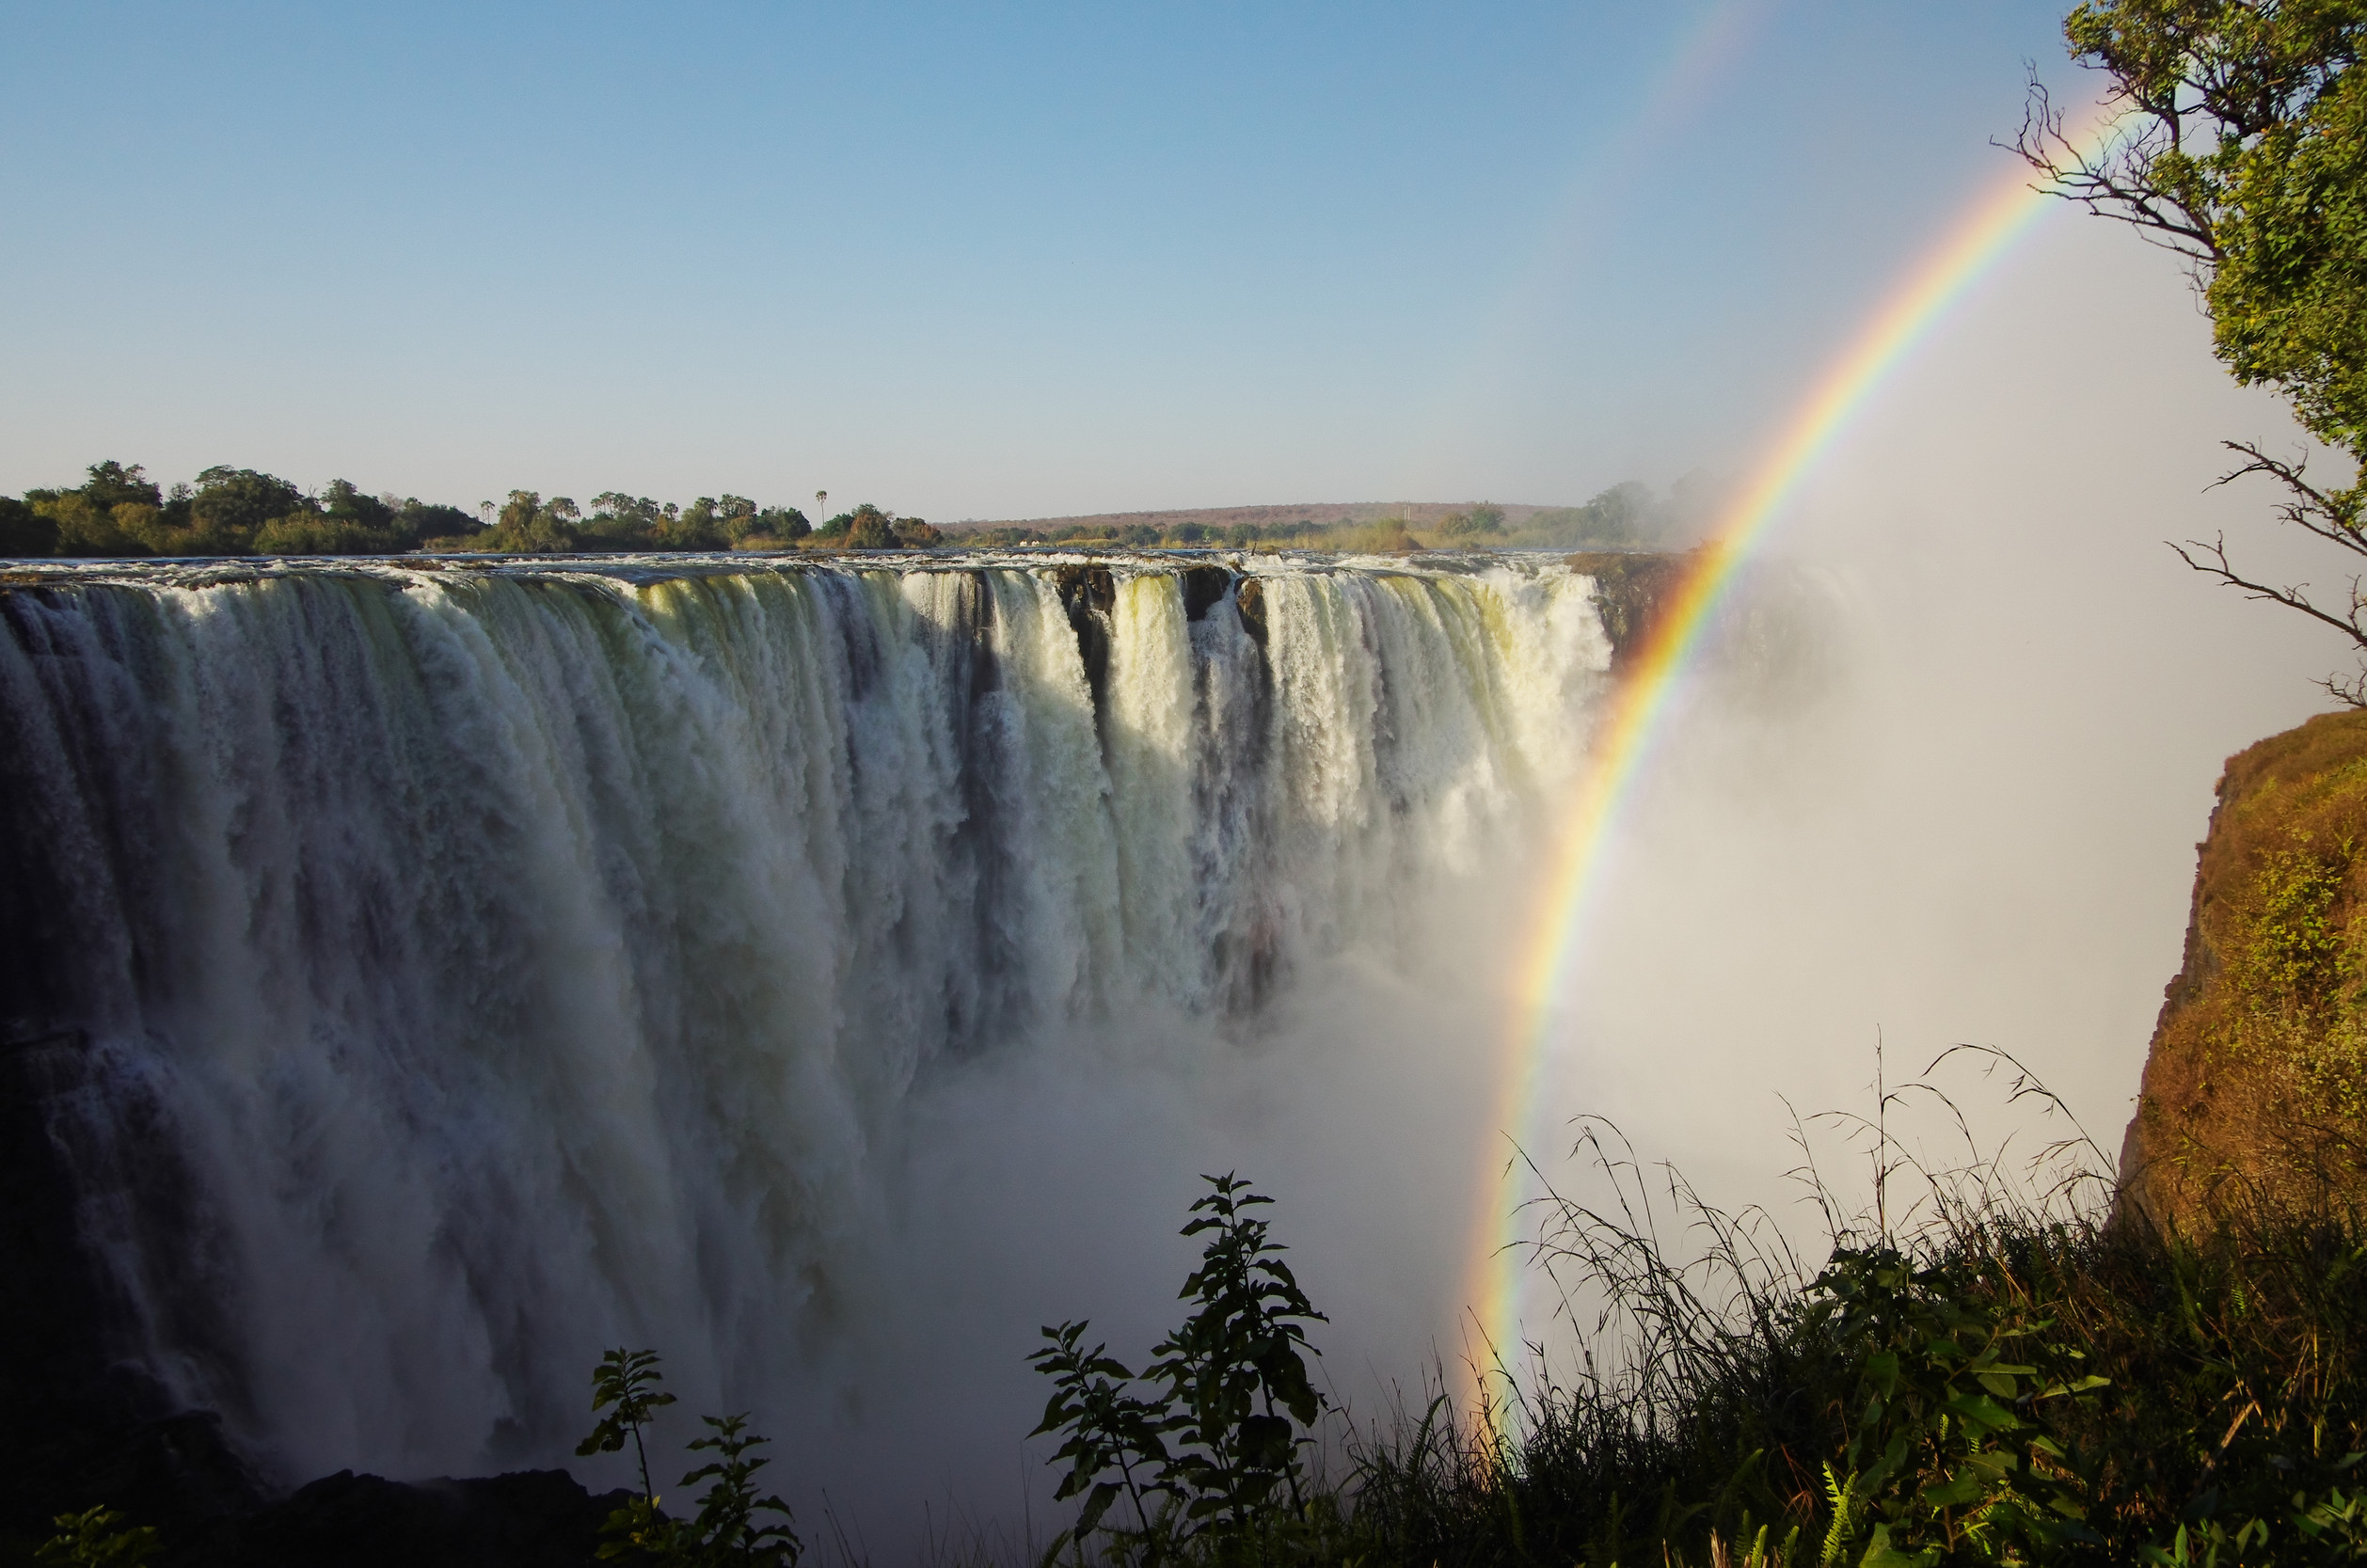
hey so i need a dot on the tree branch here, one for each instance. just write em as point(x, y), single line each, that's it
point(2331, 517)
point(2113, 182)
point(2353, 691)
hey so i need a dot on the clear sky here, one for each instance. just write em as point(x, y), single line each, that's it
point(973, 260)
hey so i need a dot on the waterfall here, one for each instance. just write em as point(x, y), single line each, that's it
point(475, 966)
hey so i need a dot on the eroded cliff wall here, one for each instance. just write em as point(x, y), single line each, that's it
point(2256, 1083)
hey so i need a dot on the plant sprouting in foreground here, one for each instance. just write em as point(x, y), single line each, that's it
point(97, 1538)
point(1235, 1378)
point(1210, 1446)
point(725, 1533)
point(1999, 1369)
point(726, 1529)
point(1941, 1463)
point(625, 1384)
point(1108, 1429)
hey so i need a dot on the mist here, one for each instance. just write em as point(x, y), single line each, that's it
point(1984, 829)
point(1960, 806)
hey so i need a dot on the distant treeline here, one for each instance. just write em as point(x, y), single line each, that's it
point(1627, 515)
point(119, 511)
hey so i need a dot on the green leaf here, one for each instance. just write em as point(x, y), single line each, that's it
point(98, 1538)
point(1880, 1553)
point(1105, 1494)
point(1955, 1491)
point(1994, 1464)
point(2081, 1386)
point(1978, 1410)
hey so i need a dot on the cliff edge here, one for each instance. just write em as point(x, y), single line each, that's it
point(1629, 586)
point(2255, 1087)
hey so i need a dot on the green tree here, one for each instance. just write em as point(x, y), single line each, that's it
point(419, 524)
point(2238, 140)
point(624, 1385)
point(230, 506)
point(344, 521)
point(869, 528)
point(345, 501)
point(111, 485)
point(726, 1529)
point(784, 523)
point(703, 525)
point(81, 527)
point(1114, 1439)
point(117, 511)
point(527, 525)
point(24, 532)
point(619, 521)
point(1483, 518)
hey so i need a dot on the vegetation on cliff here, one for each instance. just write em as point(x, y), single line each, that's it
point(2257, 1079)
point(1968, 1377)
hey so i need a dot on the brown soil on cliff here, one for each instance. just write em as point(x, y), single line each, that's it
point(2256, 1085)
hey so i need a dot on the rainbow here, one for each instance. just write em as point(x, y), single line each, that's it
point(1632, 723)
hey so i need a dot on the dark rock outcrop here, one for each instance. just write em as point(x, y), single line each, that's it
point(85, 1429)
point(1630, 589)
point(527, 1519)
point(1204, 588)
point(1090, 594)
point(1249, 599)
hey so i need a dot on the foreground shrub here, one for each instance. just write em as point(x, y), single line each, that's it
point(1204, 1445)
point(727, 1532)
point(2026, 1380)
point(98, 1538)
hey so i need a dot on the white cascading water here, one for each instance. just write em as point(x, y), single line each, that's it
point(483, 965)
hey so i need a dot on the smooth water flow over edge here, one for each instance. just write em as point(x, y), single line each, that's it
point(480, 967)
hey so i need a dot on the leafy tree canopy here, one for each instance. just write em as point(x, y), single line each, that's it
point(2238, 139)
point(234, 500)
point(111, 485)
point(869, 528)
point(2241, 143)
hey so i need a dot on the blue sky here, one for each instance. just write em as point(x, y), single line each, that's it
point(969, 261)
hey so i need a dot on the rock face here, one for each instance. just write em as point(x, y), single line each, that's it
point(2256, 1084)
point(527, 1519)
point(1629, 590)
point(85, 1428)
